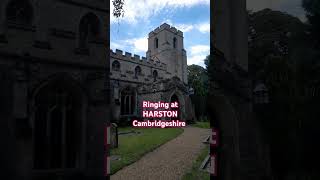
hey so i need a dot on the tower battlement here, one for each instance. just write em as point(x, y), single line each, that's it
point(166, 26)
point(165, 54)
point(119, 54)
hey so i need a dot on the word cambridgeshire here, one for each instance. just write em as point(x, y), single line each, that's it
point(158, 123)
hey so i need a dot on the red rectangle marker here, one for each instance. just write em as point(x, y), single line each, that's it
point(214, 138)
point(213, 165)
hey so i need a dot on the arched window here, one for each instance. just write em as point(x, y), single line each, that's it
point(128, 101)
point(19, 12)
point(156, 42)
point(260, 94)
point(115, 66)
point(89, 29)
point(57, 125)
point(155, 75)
point(137, 71)
point(174, 42)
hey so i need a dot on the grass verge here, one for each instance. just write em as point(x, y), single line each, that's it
point(199, 124)
point(195, 172)
point(133, 147)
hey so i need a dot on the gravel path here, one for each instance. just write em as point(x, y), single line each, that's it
point(169, 161)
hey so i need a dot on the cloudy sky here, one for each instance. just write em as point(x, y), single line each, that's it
point(292, 7)
point(142, 16)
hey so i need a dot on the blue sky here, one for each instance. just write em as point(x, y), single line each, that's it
point(142, 16)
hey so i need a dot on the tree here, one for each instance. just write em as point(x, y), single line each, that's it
point(312, 8)
point(280, 54)
point(118, 10)
point(197, 78)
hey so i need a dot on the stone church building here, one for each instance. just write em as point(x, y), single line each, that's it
point(53, 105)
point(160, 76)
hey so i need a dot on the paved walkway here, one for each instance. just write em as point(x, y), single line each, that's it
point(169, 161)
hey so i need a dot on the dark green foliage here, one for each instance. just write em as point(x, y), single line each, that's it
point(289, 121)
point(197, 79)
point(312, 8)
point(210, 70)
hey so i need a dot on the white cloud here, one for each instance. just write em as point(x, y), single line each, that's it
point(168, 21)
point(134, 45)
point(204, 27)
point(181, 27)
point(197, 54)
point(184, 27)
point(140, 45)
point(198, 60)
point(143, 9)
point(199, 49)
point(114, 46)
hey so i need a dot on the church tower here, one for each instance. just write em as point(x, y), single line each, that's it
point(165, 44)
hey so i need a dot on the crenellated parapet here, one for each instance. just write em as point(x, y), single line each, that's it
point(165, 26)
point(184, 52)
point(126, 56)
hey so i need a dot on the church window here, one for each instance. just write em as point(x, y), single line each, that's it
point(19, 12)
point(127, 101)
point(137, 71)
point(174, 42)
point(115, 66)
point(89, 29)
point(57, 126)
point(156, 42)
point(155, 75)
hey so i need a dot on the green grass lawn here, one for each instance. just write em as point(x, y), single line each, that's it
point(133, 147)
point(201, 124)
point(195, 173)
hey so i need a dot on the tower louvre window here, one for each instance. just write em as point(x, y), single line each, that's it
point(174, 42)
point(155, 75)
point(156, 42)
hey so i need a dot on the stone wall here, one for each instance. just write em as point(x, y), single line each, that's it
point(128, 63)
